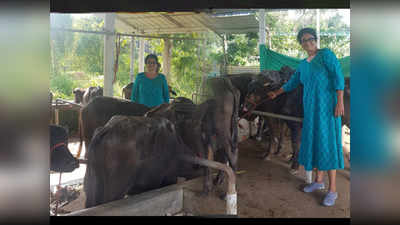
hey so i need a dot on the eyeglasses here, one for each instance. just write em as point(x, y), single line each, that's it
point(307, 40)
point(151, 63)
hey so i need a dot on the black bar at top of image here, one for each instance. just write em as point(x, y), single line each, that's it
point(92, 6)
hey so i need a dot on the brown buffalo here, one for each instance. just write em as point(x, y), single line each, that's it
point(100, 110)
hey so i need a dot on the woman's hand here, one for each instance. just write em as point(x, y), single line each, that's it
point(272, 95)
point(339, 110)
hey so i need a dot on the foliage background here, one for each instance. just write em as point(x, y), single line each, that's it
point(77, 58)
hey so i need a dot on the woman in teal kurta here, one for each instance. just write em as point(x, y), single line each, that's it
point(150, 88)
point(321, 141)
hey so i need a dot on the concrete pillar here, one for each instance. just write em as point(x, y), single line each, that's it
point(318, 25)
point(167, 57)
point(109, 46)
point(261, 24)
point(141, 55)
point(131, 72)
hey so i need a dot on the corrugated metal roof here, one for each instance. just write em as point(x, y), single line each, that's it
point(219, 21)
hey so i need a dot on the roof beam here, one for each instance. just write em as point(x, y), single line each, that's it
point(129, 24)
point(169, 18)
point(52, 29)
point(208, 27)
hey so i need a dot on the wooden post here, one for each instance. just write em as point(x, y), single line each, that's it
point(56, 116)
point(78, 154)
point(56, 121)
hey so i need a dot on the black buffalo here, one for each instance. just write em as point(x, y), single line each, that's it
point(61, 159)
point(227, 98)
point(290, 103)
point(131, 155)
point(195, 124)
point(85, 96)
point(78, 95)
point(241, 82)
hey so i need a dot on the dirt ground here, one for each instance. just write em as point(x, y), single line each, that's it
point(266, 189)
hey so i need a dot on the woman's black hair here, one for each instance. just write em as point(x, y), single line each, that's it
point(151, 56)
point(306, 30)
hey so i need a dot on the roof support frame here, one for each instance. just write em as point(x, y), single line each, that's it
point(122, 34)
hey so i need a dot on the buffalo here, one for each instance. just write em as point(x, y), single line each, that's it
point(290, 104)
point(131, 155)
point(195, 124)
point(227, 99)
point(100, 110)
point(61, 159)
point(85, 96)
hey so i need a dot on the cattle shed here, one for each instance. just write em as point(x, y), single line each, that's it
point(179, 199)
point(161, 25)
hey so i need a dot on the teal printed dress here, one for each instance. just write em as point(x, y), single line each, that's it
point(321, 140)
point(150, 92)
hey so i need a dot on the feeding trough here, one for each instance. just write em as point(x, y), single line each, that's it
point(174, 200)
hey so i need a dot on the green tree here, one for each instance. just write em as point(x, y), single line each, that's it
point(61, 42)
point(284, 31)
point(242, 48)
point(88, 48)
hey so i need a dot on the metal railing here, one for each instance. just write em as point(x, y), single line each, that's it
point(292, 118)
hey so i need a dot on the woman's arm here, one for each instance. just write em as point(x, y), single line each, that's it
point(339, 110)
point(336, 75)
point(334, 69)
point(274, 94)
point(290, 85)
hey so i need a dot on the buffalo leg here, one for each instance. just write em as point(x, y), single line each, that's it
point(269, 146)
point(220, 157)
point(207, 173)
point(272, 125)
point(280, 139)
point(295, 130)
point(260, 129)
